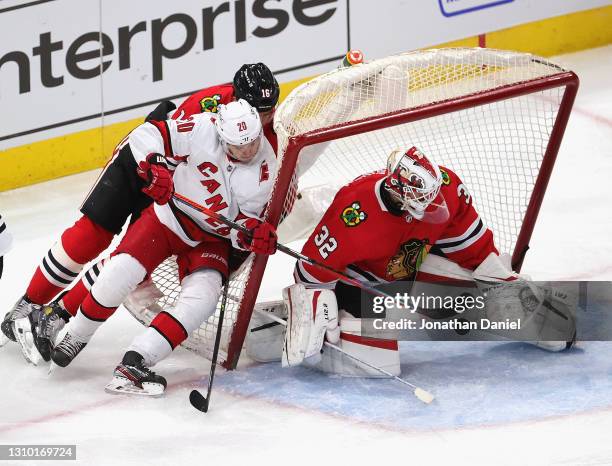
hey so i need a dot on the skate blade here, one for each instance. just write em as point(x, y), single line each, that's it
point(121, 385)
point(25, 338)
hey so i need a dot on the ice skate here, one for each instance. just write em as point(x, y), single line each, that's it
point(22, 308)
point(53, 318)
point(134, 378)
point(25, 332)
point(67, 350)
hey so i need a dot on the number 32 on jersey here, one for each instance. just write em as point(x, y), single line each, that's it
point(325, 243)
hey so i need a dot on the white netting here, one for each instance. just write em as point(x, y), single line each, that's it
point(496, 148)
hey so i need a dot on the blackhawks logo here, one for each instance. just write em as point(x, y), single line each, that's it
point(445, 177)
point(408, 259)
point(210, 104)
point(352, 216)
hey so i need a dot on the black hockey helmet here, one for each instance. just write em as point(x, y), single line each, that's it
point(256, 84)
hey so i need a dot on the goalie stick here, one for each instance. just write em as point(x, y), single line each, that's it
point(423, 395)
point(197, 400)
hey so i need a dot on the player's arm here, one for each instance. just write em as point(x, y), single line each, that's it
point(467, 240)
point(156, 147)
point(261, 237)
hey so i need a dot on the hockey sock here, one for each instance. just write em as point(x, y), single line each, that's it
point(61, 265)
point(197, 302)
point(94, 311)
point(117, 280)
point(169, 328)
point(75, 296)
point(92, 315)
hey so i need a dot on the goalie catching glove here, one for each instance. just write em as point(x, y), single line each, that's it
point(260, 239)
point(547, 314)
point(158, 178)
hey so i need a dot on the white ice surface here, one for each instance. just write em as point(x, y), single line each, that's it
point(495, 406)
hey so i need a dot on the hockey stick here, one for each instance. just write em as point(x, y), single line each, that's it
point(197, 400)
point(281, 247)
point(423, 395)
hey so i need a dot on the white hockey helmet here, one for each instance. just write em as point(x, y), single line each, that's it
point(239, 128)
point(413, 182)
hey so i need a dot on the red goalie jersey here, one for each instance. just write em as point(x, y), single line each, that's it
point(360, 236)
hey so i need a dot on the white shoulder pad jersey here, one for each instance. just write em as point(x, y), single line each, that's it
point(205, 174)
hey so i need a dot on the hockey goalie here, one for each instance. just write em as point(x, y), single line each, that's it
point(413, 221)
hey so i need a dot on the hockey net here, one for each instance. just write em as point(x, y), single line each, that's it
point(496, 118)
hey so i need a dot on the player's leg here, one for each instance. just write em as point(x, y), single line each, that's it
point(204, 268)
point(113, 198)
point(59, 267)
point(55, 315)
point(302, 342)
point(144, 247)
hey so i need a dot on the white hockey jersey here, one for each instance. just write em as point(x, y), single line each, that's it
point(205, 174)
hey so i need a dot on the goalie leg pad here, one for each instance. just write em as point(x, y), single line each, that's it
point(377, 352)
point(312, 316)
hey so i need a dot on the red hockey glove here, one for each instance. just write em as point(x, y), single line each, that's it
point(261, 238)
point(155, 172)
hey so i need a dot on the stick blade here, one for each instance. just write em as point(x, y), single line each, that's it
point(423, 395)
point(198, 401)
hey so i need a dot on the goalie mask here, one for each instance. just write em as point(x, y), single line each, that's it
point(413, 183)
point(239, 128)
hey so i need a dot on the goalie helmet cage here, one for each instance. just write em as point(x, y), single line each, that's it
point(495, 117)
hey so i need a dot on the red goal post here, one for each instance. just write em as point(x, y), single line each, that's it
point(497, 118)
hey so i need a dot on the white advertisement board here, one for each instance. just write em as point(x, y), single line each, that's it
point(413, 24)
point(67, 65)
